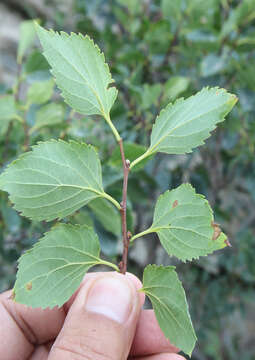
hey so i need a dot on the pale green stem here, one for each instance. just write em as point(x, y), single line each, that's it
point(113, 128)
point(107, 263)
point(148, 231)
point(145, 232)
point(112, 200)
point(140, 158)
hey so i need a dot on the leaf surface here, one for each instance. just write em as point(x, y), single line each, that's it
point(184, 125)
point(40, 92)
point(27, 37)
point(165, 291)
point(48, 115)
point(174, 87)
point(184, 223)
point(53, 180)
point(107, 215)
point(53, 269)
point(80, 71)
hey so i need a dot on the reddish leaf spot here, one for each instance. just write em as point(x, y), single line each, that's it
point(216, 232)
point(175, 203)
point(29, 286)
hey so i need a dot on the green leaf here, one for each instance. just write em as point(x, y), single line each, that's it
point(134, 7)
point(172, 10)
point(184, 223)
point(241, 14)
point(7, 112)
point(107, 214)
point(213, 64)
point(81, 217)
point(53, 269)
point(27, 37)
point(165, 291)
point(150, 95)
point(35, 63)
point(174, 87)
point(132, 151)
point(40, 92)
point(184, 125)
point(80, 71)
point(53, 180)
point(48, 115)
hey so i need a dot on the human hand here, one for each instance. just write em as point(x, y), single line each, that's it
point(102, 321)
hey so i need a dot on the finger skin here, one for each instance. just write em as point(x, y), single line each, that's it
point(160, 357)
point(95, 331)
point(22, 327)
point(149, 338)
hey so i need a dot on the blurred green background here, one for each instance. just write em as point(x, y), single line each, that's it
point(157, 51)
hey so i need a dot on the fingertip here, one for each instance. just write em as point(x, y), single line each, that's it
point(92, 276)
point(138, 285)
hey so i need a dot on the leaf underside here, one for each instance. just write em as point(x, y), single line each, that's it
point(184, 125)
point(80, 71)
point(107, 215)
point(165, 291)
point(184, 223)
point(53, 269)
point(53, 180)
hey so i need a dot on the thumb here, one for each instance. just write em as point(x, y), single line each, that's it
point(102, 320)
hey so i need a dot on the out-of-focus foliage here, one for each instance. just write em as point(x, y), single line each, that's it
point(159, 50)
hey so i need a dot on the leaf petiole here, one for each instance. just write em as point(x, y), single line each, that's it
point(140, 158)
point(107, 263)
point(148, 231)
point(145, 232)
point(113, 128)
point(111, 199)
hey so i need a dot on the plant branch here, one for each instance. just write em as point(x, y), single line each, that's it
point(123, 210)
